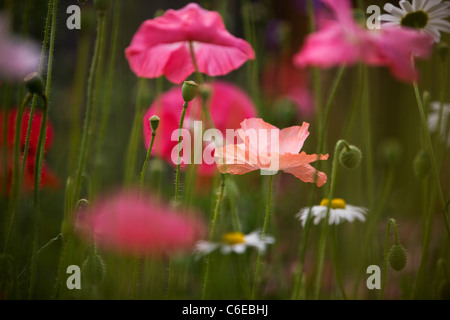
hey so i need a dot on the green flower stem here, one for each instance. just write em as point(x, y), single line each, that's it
point(337, 268)
point(234, 213)
point(15, 173)
point(6, 97)
point(263, 234)
point(429, 147)
point(372, 223)
point(211, 233)
point(443, 90)
point(323, 236)
point(86, 135)
point(108, 86)
point(198, 75)
point(331, 96)
point(133, 143)
point(147, 158)
point(355, 106)
point(177, 179)
point(393, 223)
point(367, 136)
point(297, 288)
point(40, 151)
point(428, 211)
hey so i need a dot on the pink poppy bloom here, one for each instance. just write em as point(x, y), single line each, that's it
point(131, 223)
point(265, 145)
point(17, 57)
point(228, 106)
point(342, 41)
point(161, 45)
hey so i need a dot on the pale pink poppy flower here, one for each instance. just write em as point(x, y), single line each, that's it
point(264, 145)
point(17, 57)
point(228, 106)
point(342, 41)
point(161, 45)
point(131, 223)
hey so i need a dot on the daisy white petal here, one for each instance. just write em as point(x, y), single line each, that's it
point(406, 6)
point(394, 10)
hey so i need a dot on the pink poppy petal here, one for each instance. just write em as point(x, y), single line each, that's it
point(293, 138)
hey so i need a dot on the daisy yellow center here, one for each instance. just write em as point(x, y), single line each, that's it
point(233, 238)
point(335, 203)
point(417, 19)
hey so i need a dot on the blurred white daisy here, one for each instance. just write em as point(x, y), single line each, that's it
point(427, 15)
point(433, 120)
point(339, 211)
point(234, 242)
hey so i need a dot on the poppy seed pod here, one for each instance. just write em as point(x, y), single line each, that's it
point(189, 90)
point(154, 123)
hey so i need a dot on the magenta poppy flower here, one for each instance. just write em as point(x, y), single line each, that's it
point(268, 148)
point(161, 45)
point(228, 105)
point(342, 41)
point(131, 223)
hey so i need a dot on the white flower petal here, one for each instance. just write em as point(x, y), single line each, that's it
point(394, 10)
point(406, 6)
point(239, 248)
point(440, 24)
point(389, 18)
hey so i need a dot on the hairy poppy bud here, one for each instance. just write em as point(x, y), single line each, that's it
point(34, 83)
point(350, 158)
point(397, 257)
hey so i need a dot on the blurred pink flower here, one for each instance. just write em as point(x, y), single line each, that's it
point(280, 79)
point(17, 57)
point(342, 41)
point(131, 223)
point(258, 151)
point(228, 105)
point(161, 45)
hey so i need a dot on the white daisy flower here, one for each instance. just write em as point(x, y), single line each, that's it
point(234, 242)
point(339, 211)
point(427, 15)
point(433, 120)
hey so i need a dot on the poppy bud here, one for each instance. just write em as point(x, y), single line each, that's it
point(351, 157)
point(94, 269)
point(34, 83)
point(397, 257)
